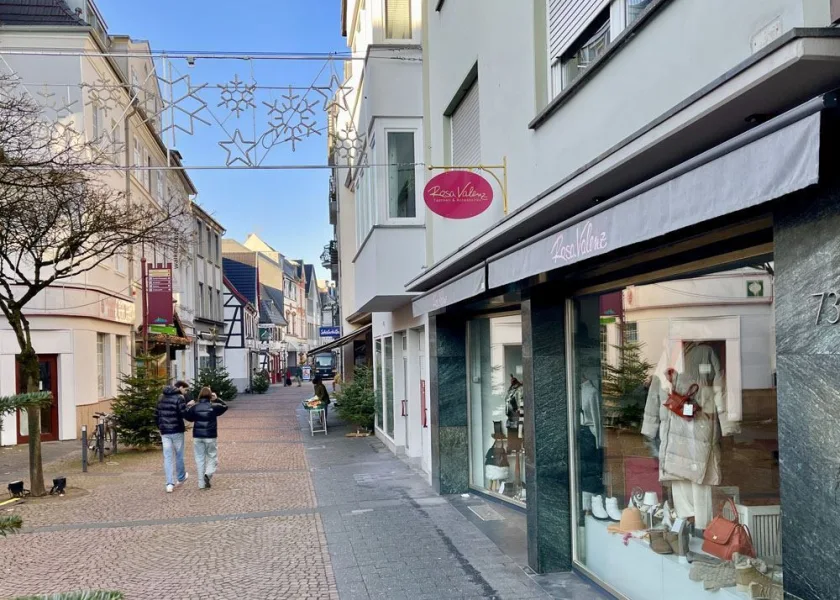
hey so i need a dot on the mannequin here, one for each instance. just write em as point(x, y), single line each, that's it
point(590, 438)
point(515, 425)
point(690, 443)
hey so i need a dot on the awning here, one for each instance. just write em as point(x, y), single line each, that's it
point(471, 283)
point(746, 171)
point(343, 340)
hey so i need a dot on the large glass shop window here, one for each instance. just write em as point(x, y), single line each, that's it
point(496, 410)
point(677, 475)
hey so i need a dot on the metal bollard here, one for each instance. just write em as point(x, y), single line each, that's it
point(84, 449)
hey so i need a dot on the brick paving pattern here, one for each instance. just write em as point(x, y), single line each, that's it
point(255, 534)
point(290, 516)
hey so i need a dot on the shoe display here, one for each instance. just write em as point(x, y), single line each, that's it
point(658, 542)
point(170, 488)
point(763, 591)
point(612, 509)
point(751, 570)
point(598, 509)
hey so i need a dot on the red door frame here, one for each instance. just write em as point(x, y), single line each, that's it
point(51, 360)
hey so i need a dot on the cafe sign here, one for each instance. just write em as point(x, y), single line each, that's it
point(458, 194)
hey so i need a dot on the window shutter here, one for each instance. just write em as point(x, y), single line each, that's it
point(466, 130)
point(398, 19)
point(566, 21)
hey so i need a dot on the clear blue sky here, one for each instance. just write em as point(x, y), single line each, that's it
point(288, 209)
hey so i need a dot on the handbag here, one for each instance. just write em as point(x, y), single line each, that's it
point(682, 405)
point(723, 538)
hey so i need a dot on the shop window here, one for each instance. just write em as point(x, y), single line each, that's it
point(676, 434)
point(496, 410)
point(397, 19)
point(388, 386)
point(377, 381)
point(102, 373)
point(402, 198)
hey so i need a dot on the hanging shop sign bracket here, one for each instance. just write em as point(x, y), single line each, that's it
point(491, 170)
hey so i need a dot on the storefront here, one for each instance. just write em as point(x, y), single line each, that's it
point(675, 351)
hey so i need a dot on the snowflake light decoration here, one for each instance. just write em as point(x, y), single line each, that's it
point(290, 120)
point(104, 94)
point(188, 94)
point(347, 142)
point(237, 95)
point(61, 109)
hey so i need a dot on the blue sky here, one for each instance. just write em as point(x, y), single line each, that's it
point(286, 208)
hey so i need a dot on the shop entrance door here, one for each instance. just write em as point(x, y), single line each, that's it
point(424, 411)
point(49, 415)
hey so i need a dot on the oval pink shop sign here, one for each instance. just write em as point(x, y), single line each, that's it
point(458, 194)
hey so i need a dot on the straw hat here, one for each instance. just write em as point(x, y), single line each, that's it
point(631, 520)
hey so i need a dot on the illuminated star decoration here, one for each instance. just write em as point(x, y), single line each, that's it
point(180, 104)
point(237, 96)
point(243, 147)
point(335, 94)
point(290, 121)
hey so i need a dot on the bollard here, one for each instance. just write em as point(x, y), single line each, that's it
point(84, 449)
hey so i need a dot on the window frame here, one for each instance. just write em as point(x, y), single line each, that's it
point(411, 23)
point(102, 366)
point(379, 186)
point(397, 132)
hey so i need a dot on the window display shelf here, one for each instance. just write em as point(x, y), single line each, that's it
point(639, 572)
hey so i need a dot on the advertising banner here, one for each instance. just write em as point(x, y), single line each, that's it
point(160, 295)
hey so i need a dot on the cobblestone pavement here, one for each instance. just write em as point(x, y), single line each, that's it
point(255, 534)
point(290, 516)
point(391, 538)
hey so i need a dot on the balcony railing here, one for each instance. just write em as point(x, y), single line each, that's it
point(329, 256)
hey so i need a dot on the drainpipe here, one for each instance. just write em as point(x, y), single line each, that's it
point(127, 152)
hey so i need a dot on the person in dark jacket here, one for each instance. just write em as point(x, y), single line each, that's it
point(322, 393)
point(169, 416)
point(203, 415)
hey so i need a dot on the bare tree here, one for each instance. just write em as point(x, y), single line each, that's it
point(59, 219)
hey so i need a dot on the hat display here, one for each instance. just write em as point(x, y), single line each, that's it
point(631, 520)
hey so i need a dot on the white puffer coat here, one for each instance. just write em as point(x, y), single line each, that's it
point(690, 448)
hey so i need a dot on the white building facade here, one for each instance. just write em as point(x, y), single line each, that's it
point(644, 273)
point(380, 216)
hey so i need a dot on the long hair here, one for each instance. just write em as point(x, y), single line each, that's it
point(205, 392)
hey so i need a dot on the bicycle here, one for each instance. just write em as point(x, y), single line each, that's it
point(104, 439)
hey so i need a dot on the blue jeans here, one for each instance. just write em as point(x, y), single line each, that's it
point(206, 457)
point(173, 443)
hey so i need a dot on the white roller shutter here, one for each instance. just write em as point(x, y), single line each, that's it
point(398, 19)
point(466, 130)
point(566, 21)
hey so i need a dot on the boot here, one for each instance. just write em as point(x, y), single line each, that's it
point(766, 591)
point(598, 510)
point(612, 509)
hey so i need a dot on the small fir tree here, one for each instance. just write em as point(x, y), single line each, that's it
point(134, 408)
point(261, 383)
point(9, 524)
point(217, 380)
point(624, 383)
point(356, 399)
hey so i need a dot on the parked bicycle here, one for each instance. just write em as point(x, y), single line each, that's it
point(104, 439)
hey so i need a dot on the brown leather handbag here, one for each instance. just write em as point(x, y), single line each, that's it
point(723, 538)
point(682, 405)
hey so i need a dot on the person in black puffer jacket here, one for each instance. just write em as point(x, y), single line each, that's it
point(169, 416)
point(205, 431)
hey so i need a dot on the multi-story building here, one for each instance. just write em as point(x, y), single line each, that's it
point(377, 128)
point(92, 319)
point(209, 343)
point(313, 307)
point(294, 288)
point(242, 337)
point(674, 180)
point(272, 332)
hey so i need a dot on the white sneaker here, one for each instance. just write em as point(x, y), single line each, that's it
point(170, 488)
point(612, 509)
point(180, 483)
point(598, 510)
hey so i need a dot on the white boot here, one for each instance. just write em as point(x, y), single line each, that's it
point(612, 509)
point(598, 510)
point(667, 519)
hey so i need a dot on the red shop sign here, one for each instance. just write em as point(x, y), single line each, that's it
point(458, 194)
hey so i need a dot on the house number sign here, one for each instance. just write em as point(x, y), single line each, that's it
point(830, 304)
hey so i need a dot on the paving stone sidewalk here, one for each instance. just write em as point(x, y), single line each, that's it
point(391, 538)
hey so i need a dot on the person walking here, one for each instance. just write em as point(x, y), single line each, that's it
point(169, 416)
point(204, 415)
point(322, 393)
